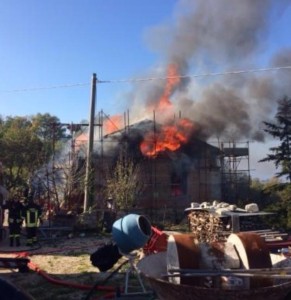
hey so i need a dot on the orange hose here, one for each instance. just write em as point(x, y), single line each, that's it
point(32, 266)
point(35, 268)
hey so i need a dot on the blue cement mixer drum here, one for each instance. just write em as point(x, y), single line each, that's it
point(131, 232)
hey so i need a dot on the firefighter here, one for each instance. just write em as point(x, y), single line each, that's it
point(15, 220)
point(32, 216)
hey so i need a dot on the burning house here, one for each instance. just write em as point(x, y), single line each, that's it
point(180, 166)
point(177, 168)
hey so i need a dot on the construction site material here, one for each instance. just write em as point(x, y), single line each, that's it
point(256, 278)
point(131, 232)
point(154, 266)
point(205, 226)
point(253, 253)
point(218, 255)
point(157, 242)
point(217, 220)
point(182, 252)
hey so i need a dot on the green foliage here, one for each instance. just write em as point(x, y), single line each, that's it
point(273, 196)
point(19, 148)
point(24, 144)
point(281, 156)
point(280, 218)
point(50, 131)
point(281, 130)
point(285, 202)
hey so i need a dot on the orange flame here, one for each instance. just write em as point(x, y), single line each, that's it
point(170, 137)
point(172, 81)
point(112, 124)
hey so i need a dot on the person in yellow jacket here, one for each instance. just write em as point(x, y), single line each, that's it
point(32, 216)
point(15, 211)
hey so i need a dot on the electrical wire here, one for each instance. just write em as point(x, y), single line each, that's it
point(45, 88)
point(196, 75)
point(129, 80)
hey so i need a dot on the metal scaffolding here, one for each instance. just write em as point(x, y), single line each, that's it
point(235, 171)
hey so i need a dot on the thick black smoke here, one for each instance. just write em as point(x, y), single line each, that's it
point(219, 36)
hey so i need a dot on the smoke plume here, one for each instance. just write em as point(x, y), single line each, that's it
point(210, 36)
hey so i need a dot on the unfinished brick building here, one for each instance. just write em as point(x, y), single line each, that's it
point(172, 179)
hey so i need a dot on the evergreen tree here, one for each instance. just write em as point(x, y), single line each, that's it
point(281, 130)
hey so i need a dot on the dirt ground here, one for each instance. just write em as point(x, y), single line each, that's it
point(64, 260)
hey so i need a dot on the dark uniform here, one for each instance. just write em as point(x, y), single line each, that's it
point(32, 215)
point(15, 219)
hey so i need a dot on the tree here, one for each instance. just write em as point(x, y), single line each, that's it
point(53, 136)
point(50, 131)
point(124, 182)
point(273, 196)
point(281, 130)
point(26, 144)
point(265, 193)
point(281, 156)
point(20, 150)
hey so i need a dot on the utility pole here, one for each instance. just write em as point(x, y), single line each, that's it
point(88, 178)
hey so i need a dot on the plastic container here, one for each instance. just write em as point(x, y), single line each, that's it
point(131, 232)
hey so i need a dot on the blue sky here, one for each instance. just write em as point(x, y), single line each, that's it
point(53, 43)
point(45, 45)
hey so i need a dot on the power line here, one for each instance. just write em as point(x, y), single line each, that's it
point(46, 88)
point(129, 80)
point(197, 75)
